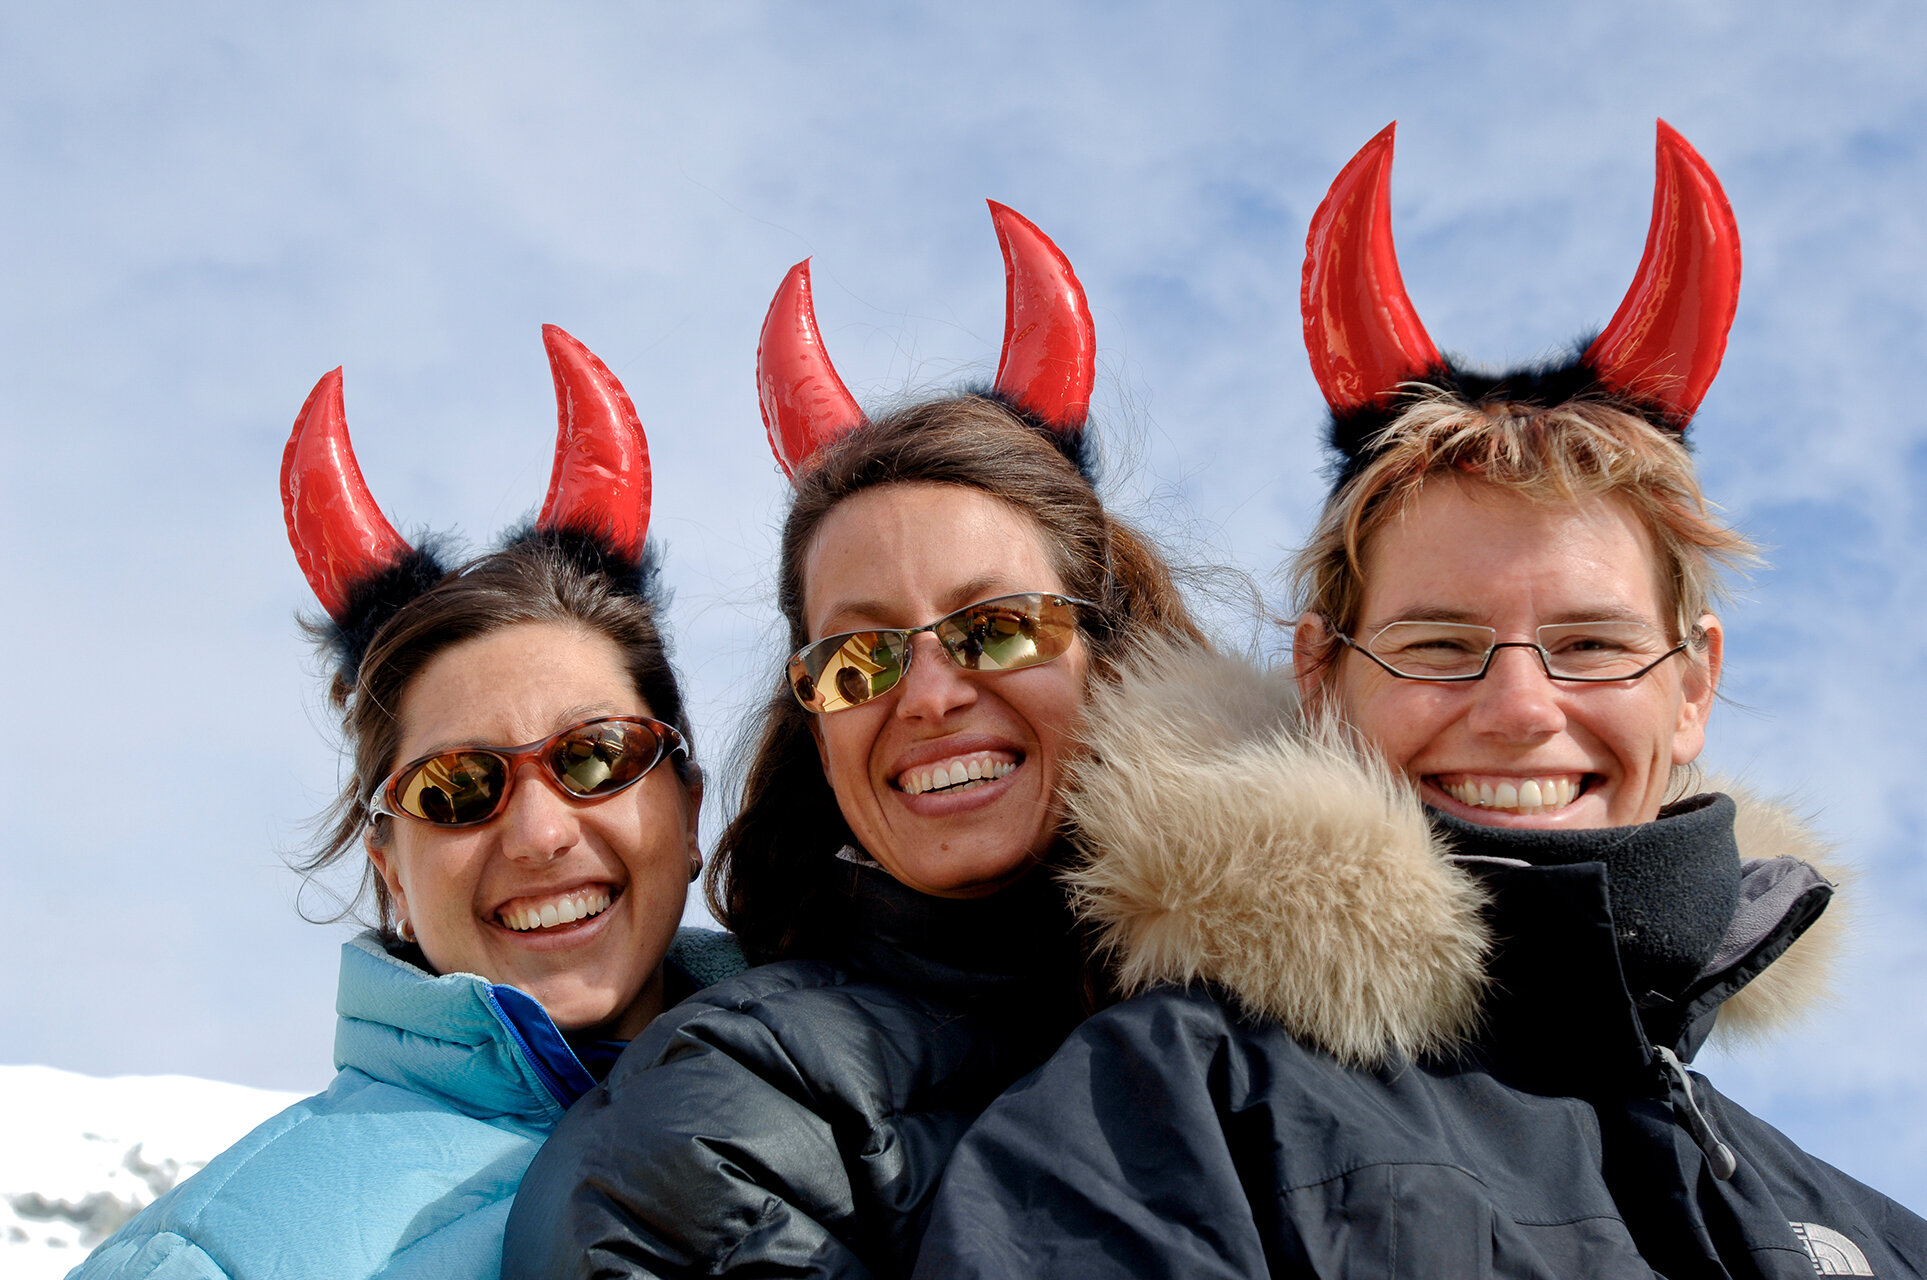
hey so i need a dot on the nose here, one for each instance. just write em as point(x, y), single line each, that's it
point(934, 686)
point(539, 823)
point(1517, 701)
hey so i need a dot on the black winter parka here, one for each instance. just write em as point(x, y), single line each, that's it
point(1373, 1047)
point(794, 1120)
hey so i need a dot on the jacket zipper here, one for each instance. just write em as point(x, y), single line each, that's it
point(1719, 1156)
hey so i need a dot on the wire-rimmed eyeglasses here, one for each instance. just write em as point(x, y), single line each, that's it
point(1453, 652)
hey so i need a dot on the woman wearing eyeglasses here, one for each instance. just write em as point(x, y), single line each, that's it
point(952, 584)
point(1380, 1039)
point(524, 796)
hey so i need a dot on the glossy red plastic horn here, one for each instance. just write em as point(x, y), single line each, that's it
point(1049, 361)
point(1048, 366)
point(1665, 342)
point(601, 481)
point(1361, 330)
point(805, 405)
point(340, 537)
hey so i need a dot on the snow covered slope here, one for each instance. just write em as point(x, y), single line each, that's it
point(81, 1155)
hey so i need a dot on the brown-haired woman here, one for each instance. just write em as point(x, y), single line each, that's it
point(1424, 1008)
point(952, 583)
point(522, 788)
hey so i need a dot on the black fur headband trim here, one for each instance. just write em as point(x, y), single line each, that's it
point(1356, 437)
point(373, 602)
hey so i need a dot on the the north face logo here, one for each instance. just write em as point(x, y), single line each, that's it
point(1832, 1253)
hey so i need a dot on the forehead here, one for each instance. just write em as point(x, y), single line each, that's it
point(513, 685)
point(904, 554)
point(1467, 550)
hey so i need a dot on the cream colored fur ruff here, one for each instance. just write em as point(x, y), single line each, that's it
point(1227, 840)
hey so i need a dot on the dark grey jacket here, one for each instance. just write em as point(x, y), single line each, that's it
point(793, 1121)
point(1367, 1048)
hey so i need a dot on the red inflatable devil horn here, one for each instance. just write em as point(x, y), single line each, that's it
point(601, 482)
point(340, 537)
point(1665, 342)
point(805, 405)
point(1361, 330)
point(1049, 360)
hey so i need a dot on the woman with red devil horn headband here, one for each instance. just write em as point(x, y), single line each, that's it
point(524, 795)
point(953, 587)
point(1426, 928)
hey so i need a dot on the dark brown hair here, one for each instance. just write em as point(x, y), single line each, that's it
point(770, 879)
point(537, 578)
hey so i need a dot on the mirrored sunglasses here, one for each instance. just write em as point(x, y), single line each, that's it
point(1007, 633)
point(466, 786)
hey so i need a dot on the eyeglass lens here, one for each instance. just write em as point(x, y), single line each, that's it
point(466, 786)
point(1576, 650)
point(1008, 633)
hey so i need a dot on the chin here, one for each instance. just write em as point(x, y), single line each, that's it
point(968, 877)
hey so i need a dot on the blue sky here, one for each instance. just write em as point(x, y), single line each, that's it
point(207, 207)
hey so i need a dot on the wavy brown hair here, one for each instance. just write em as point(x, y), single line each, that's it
point(770, 880)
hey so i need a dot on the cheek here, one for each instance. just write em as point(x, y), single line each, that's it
point(431, 871)
point(844, 744)
point(1641, 732)
point(1053, 710)
point(1398, 717)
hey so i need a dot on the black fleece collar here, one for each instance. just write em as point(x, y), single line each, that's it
point(1672, 884)
point(1017, 942)
point(1561, 1017)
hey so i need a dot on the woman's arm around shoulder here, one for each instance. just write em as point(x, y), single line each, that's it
point(707, 1151)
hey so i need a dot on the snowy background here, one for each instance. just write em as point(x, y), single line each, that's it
point(205, 207)
point(83, 1155)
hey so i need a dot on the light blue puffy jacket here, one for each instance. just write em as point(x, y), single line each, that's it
point(405, 1166)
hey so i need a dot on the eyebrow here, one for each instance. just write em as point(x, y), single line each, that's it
point(986, 586)
point(1465, 617)
point(562, 720)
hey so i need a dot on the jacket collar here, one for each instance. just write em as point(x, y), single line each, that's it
point(443, 1036)
point(1227, 841)
point(955, 948)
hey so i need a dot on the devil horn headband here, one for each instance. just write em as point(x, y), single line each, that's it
point(1662, 348)
point(600, 487)
point(1047, 369)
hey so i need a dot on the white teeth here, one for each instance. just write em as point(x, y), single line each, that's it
point(961, 772)
point(564, 910)
point(1531, 795)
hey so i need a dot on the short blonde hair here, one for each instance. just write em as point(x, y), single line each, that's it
point(1581, 448)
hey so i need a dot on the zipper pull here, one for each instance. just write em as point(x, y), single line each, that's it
point(1719, 1156)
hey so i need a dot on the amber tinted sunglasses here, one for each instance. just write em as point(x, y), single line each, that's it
point(1008, 633)
point(466, 786)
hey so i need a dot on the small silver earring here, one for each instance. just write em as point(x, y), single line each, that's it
point(404, 930)
point(695, 868)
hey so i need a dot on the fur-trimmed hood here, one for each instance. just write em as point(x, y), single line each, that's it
point(1227, 840)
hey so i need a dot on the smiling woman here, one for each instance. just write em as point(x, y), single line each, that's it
point(951, 581)
point(523, 792)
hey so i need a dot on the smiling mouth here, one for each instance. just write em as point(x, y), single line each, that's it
point(1514, 795)
point(957, 774)
point(525, 915)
